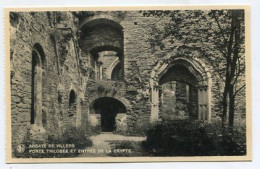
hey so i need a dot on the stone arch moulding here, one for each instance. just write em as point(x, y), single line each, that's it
point(101, 18)
point(196, 67)
point(38, 43)
point(111, 68)
point(103, 46)
point(89, 101)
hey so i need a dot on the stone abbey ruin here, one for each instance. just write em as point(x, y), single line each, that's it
point(98, 70)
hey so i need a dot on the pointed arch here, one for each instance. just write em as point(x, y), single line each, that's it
point(196, 70)
point(113, 69)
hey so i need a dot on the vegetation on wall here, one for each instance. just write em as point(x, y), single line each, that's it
point(217, 35)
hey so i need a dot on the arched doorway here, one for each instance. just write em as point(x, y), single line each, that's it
point(109, 112)
point(187, 85)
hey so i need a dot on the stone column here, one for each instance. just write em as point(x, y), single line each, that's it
point(209, 102)
point(155, 105)
point(199, 104)
point(96, 70)
point(162, 97)
point(203, 103)
point(101, 72)
point(79, 113)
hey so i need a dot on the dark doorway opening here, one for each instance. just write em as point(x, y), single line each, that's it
point(108, 108)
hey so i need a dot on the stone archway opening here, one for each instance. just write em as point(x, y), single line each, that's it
point(102, 42)
point(181, 88)
point(110, 114)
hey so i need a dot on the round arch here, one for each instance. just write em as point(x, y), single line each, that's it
point(37, 51)
point(109, 113)
point(195, 67)
point(100, 25)
point(97, 19)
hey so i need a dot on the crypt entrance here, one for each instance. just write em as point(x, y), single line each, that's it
point(108, 113)
point(181, 88)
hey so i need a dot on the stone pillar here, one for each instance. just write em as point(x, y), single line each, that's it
point(96, 70)
point(205, 101)
point(199, 104)
point(79, 113)
point(209, 102)
point(203, 111)
point(162, 97)
point(101, 73)
point(155, 105)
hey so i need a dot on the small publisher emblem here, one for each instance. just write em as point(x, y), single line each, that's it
point(20, 148)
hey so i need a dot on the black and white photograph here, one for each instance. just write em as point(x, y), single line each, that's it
point(128, 84)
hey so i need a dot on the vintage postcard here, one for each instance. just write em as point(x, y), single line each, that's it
point(128, 84)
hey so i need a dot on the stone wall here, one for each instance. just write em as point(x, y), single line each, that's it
point(68, 44)
point(59, 75)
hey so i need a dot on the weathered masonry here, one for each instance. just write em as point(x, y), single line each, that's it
point(190, 72)
point(97, 69)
